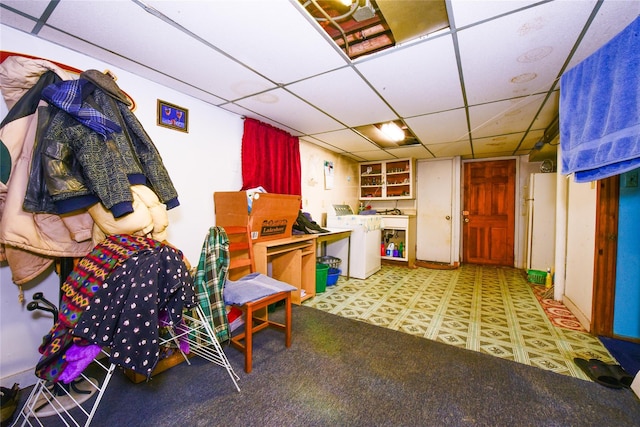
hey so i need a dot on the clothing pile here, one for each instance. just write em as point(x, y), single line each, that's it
point(80, 178)
point(77, 166)
point(118, 296)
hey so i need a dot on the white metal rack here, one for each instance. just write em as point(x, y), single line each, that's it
point(47, 399)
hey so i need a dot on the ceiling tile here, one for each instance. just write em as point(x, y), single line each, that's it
point(284, 107)
point(241, 111)
point(411, 151)
point(215, 73)
point(549, 111)
point(16, 20)
point(612, 18)
point(271, 37)
point(319, 143)
point(467, 12)
point(450, 149)
point(355, 157)
point(419, 78)
point(346, 139)
point(31, 8)
point(343, 93)
point(374, 155)
point(497, 144)
point(498, 118)
point(520, 54)
point(135, 68)
point(531, 139)
point(442, 127)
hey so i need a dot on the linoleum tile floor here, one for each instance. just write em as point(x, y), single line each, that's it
point(492, 310)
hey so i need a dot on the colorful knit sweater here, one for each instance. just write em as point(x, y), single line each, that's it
point(76, 293)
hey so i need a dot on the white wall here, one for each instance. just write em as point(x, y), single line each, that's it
point(581, 225)
point(318, 200)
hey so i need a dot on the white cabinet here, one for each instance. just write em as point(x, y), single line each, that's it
point(401, 231)
point(393, 179)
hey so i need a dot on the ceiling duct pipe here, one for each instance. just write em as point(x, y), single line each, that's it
point(334, 23)
point(549, 133)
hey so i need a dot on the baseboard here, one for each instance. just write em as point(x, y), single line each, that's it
point(437, 265)
point(586, 323)
point(28, 377)
point(25, 379)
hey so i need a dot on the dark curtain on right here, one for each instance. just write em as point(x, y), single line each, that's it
point(270, 158)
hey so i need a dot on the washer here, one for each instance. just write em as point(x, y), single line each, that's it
point(365, 241)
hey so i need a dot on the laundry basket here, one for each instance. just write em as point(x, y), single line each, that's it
point(334, 268)
point(536, 276)
point(331, 261)
point(332, 276)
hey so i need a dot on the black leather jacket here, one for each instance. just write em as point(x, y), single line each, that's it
point(74, 166)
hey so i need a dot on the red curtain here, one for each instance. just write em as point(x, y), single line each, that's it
point(270, 158)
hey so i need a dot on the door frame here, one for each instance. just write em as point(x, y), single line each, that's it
point(517, 234)
point(605, 254)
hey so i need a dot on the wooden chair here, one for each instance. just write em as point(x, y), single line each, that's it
point(241, 264)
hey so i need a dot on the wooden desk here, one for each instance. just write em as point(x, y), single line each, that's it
point(293, 261)
point(332, 236)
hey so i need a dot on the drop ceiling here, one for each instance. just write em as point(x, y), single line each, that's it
point(486, 85)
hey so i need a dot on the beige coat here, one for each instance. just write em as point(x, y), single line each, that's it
point(30, 242)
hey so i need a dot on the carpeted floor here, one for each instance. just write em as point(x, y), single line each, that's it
point(345, 372)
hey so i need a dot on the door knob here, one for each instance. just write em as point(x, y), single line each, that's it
point(448, 217)
point(466, 219)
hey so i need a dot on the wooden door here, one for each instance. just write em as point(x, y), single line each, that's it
point(604, 277)
point(488, 212)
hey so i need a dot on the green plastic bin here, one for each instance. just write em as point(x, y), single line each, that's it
point(322, 270)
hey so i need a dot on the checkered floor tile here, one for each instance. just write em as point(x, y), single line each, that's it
point(492, 310)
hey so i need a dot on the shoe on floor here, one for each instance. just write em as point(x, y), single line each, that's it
point(9, 401)
point(617, 372)
point(599, 372)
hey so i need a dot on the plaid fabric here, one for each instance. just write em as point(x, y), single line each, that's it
point(67, 96)
point(211, 274)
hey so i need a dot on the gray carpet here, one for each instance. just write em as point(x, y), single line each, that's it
point(341, 372)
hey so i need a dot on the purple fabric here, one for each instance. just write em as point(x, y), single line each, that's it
point(78, 358)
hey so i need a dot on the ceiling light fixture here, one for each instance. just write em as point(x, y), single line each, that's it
point(392, 131)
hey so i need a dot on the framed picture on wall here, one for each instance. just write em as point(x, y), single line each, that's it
point(173, 117)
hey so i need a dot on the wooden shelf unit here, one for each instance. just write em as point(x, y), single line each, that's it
point(392, 179)
point(293, 261)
